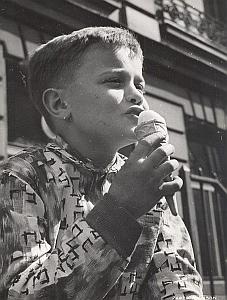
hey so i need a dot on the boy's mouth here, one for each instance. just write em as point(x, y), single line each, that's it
point(134, 110)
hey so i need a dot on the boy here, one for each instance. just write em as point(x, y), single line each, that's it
point(77, 222)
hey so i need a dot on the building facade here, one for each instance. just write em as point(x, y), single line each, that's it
point(185, 50)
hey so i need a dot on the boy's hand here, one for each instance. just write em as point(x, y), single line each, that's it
point(137, 185)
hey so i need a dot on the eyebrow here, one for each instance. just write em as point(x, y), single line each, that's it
point(119, 71)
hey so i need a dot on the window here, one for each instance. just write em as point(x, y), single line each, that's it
point(208, 173)
point(208, 224)
point(216, 9)
point(207, 154)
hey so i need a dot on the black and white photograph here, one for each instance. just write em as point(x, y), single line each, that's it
point(113, 150)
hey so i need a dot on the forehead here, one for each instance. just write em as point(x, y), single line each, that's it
point(98, 58)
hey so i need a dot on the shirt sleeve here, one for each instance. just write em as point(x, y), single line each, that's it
point(172, 272)
point(40, 258)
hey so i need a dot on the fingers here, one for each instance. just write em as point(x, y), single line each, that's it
point(167, 168)
point(159, 155)
point(171, 187)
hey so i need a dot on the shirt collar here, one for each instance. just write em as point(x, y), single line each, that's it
point(60, 147)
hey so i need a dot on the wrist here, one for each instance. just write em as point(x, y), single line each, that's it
point(115, 224)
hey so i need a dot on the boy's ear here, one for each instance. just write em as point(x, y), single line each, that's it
point(53, 103)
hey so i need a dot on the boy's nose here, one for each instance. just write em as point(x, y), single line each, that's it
point(135, 98)
point(138, 99)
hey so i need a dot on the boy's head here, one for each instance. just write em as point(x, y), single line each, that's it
point(54, 64)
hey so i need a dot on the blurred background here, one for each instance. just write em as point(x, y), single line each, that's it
point(185, 49)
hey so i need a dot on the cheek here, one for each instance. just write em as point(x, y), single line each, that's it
point(111, 100)
point(115, 95)
point(100, 103)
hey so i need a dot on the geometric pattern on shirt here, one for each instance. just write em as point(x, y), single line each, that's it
point(77, 243)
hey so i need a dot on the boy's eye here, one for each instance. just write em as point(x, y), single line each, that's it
point(118, 82)
point(140, 88)
point(114, 81)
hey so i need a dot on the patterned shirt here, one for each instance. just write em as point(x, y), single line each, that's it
point(63, 237)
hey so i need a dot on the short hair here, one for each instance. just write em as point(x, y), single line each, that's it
point(51, 63)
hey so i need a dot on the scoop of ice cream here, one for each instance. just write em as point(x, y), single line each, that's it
point(151, 122)
point(150, 115)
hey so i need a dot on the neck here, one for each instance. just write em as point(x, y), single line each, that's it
point(100, 153)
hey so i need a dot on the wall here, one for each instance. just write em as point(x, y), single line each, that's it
point(3, 106)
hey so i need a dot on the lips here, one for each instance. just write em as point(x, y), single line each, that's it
point(134, 110)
